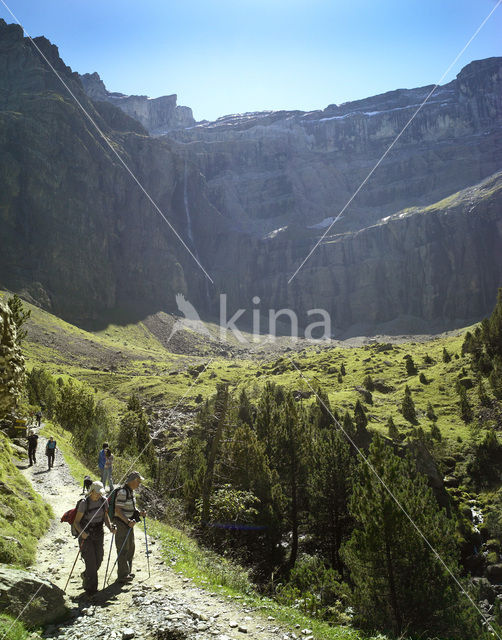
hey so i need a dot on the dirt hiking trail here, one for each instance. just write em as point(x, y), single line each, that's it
point(165, 606)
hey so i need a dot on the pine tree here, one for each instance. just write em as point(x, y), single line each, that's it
point(342, 369)
point(465, 408)
point(392, 429)
point(399, 585)
point(408, 407)
point(435, 432)
point(446, 355)
point(411, 369)
point(292, 447)
point(12, 371)
point(484, 398)
point(329, 489)
point(245, 409)
point(320, 412)
point(431, 413)
point(19, 316)
point(360, 417)
point(368, 383)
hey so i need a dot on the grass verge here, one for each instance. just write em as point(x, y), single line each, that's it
point(11, 630)
point(24, 516)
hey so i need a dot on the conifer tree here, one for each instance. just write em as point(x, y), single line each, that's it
point(465, 408)
point(431, 413)
point(342, 369)
point(399, 585)
point(19, 316)
point(368, 383)
point(411, 369)
point(245, 413)
point(320, 412)
point(360, 417)
point(446, 355)
point(348, 425)
point(329, 489)
point(408, 406)
point(12, 372)
point(484, 399)
point(292, 447)
point(392, 429)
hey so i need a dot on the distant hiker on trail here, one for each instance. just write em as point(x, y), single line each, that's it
point(32, 447)
point(125, 517)
point(50, 451)
point(107, 471)
point(91, 513)
point(101, 459)
point(38, 416)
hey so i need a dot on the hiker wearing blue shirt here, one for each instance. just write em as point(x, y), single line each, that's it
point(102, 459)
point(50, 451)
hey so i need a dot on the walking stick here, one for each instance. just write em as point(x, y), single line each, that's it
point(121, 549)
point(79, 550)
point(147, 552)
point(108, 563)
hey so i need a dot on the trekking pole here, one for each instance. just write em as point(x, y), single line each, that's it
point(79, 550)
point(108, 563)
point(147, 552)
point(121, 549)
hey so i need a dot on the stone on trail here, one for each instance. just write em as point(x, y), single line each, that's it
point(18, 588)
point(128, 633)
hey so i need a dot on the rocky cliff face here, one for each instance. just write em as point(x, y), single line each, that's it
point(77, 235)
point(266, 170)
point(251, 195)
point(421, 270)
point(157, 115)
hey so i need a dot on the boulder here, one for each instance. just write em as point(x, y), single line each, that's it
point(494, 573)
point(486, 590)
point(18, 588)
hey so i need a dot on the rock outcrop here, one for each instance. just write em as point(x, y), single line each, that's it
point(36, 600)
point(268, 170)
point(157, 115)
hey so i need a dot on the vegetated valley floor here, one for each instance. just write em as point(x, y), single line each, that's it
point(184, 371)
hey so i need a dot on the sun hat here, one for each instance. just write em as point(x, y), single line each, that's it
point(96, 486)
point(134, 475)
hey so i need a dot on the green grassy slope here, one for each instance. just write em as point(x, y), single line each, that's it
point(24, 517)
point(121, 360)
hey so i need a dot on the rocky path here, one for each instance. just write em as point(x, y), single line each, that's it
point(163, 606)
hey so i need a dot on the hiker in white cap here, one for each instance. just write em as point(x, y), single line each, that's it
point(126, 515)
point(92, 511)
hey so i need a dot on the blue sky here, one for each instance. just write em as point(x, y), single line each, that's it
point(225, 57)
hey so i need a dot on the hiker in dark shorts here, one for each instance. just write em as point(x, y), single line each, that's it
point(32, 447)
point(126, 516)
point(50, 451)
point(92, 511)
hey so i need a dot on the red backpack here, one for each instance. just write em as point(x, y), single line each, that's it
point(69, 516)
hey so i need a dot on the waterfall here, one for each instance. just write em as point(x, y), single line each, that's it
point(189, 227)
point(187, 211)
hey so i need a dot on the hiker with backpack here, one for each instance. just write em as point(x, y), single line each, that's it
point(50, 452)
point(32, 447)
point(92, 512)
point(125, 516)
